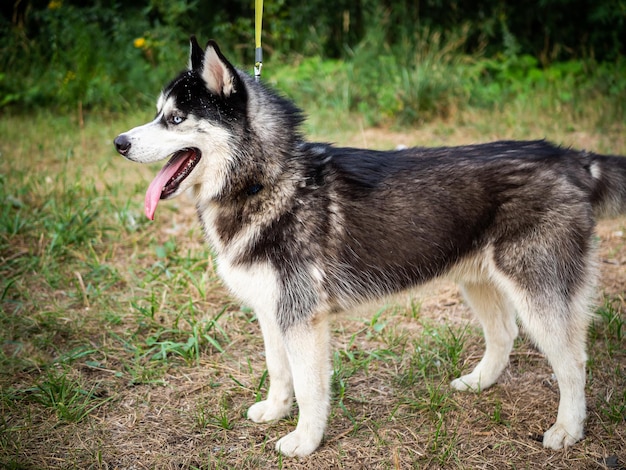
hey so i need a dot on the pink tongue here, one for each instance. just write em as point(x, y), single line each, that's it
point(153, 194)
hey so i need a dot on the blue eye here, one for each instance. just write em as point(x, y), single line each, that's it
point(177, 119)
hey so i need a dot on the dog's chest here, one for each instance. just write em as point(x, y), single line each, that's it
point(256, 285)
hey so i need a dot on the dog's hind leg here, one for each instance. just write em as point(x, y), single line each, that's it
point(280, 395)
point(498, 321)
point(559, 329)
point(308, 350)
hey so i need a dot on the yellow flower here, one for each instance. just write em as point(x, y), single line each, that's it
point(139, 43)
point(69, 76)
point(55, 4)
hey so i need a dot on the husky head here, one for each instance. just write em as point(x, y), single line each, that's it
point(198, 114)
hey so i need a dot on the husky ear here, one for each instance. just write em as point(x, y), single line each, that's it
point(196, 54)
point(220, 76)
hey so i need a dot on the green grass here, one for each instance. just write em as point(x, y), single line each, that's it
point(609, 330)
point(118, 343)
point(65, 396)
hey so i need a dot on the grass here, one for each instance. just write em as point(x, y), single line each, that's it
point(120, 348)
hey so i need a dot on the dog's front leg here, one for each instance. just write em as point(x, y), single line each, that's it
point(280, 395)
point(308, 349)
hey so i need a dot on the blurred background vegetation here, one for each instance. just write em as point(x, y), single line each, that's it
point(391, 61)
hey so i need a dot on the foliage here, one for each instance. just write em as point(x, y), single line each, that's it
point(87, 56)
point(411, 84)
point(408, 61)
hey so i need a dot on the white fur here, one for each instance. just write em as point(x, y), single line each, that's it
point(258, 288)
point(308, 351)
point(596, 170)
point(153, 142)
point(297, 361)
point(496, 301)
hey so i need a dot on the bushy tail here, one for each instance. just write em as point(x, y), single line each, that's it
point(609, 188)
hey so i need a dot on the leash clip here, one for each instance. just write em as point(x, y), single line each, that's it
point(258, 63)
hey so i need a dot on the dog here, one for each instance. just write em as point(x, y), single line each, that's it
point(303, 230)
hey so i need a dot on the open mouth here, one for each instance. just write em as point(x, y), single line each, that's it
point(179, 167)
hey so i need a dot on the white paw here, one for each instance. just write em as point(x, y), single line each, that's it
point(468, 382)
point(558, 436)
point(298, 444)
point(265, 411)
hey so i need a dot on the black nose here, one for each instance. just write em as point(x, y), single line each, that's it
point(122, 144)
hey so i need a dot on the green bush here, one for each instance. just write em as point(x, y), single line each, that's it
point(402, 84)
point(116, 58)
point(433, 77)
point(88, 56)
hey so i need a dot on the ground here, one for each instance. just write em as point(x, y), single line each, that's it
point(153, 401)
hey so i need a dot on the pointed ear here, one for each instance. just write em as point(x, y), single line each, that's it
point(220, 76)
point(196, 54)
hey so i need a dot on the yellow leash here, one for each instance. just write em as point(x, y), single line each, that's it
point(258, 26)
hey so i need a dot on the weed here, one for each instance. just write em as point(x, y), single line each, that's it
point(376, 323)
point(259, 388)
point(613, 405)
point(220, 420)
point(613, 320)
point(497, 416)
point(433, 397)
point(443, 442)
point(64, 396)
point(436, 354)
point(608, 331)
point(139, 372)
point(415, 308)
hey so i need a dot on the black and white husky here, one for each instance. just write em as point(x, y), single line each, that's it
point(303, 230)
